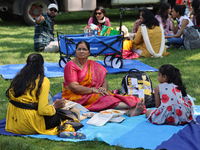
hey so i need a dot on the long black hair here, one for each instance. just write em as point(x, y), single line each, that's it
point(163, 9)
point(174, 76)
point(149, 19)
point(180, 9)
point(143, 10)
point(95, 21)
point(25, 79)
point(195, 5)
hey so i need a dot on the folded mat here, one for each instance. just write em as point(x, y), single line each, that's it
point(54, 70)
point(134, 132)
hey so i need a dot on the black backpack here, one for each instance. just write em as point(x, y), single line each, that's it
point(138, 83)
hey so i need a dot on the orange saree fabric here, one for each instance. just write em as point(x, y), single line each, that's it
point(92, 75)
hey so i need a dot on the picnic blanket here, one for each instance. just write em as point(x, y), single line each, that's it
point(134, 132)
point(127, 65)
point(54, 70)
point(50, 69)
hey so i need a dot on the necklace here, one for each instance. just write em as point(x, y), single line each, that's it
point(79, 63)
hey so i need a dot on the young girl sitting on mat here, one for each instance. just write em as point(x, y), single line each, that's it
point(172, 103)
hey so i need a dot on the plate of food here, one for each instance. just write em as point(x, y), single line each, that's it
point(114, 112)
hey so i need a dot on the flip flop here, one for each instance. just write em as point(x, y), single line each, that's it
point(72, 135)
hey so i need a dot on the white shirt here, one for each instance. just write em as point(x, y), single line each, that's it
point(179, 21)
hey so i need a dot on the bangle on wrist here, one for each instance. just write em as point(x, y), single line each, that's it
point(92, 90)
point(53, 106)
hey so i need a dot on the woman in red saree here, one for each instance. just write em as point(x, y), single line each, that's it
point(85, 84)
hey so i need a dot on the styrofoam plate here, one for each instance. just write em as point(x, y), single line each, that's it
point(114, 112)
point(99, 119)
point(116, 119)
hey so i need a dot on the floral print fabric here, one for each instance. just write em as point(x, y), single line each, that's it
point(174, 108)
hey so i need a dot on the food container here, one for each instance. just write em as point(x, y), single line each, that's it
point(117, 119)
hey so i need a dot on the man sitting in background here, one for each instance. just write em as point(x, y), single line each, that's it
point(44, 31)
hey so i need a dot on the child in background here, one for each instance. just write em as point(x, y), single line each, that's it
point(172, 103)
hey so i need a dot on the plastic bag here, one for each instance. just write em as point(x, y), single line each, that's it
point(91, 30)
point(107, 31)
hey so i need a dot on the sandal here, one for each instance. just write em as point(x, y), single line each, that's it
point(72, 135)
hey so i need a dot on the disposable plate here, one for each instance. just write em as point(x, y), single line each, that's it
point(114, 112)
point(99, 119)
point(116, 119)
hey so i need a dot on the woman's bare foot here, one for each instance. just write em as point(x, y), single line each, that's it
point(136, 111)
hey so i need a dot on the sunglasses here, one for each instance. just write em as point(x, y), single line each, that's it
point(51, 9)
point(79, 49)
point(98, 13)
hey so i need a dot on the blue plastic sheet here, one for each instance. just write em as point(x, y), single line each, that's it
point(135, 132)
point(54, 70)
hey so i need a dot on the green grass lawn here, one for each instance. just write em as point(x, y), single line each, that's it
point(17, 43)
